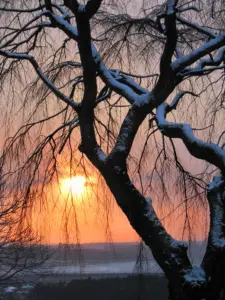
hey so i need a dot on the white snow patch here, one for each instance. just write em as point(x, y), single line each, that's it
point(10, 289)
point(195, 278)
point(216, 182)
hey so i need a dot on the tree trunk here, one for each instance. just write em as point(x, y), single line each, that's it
point(208, 281)
point(186, 282)
point(189, 293)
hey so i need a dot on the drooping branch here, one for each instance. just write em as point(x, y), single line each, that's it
point(209, 152)
point(105, 74)
point(19, 10)
point(41, 74)
point(18, 32)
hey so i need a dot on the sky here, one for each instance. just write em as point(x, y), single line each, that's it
point(76, 214)
point(91, 215)
point(97, 218)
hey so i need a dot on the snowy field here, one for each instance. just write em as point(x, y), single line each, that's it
point(127, 267)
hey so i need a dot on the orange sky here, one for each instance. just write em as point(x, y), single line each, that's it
point(98, 218)
point(93, 215)
point(88, 219)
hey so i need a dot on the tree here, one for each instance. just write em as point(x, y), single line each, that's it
point(20, 248)
point(85, 57)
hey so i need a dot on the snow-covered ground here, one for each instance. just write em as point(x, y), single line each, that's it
point(127, 267)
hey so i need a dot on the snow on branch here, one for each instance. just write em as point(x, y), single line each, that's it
point(139, 76)
point(171, 37)
point(197, 27)
point(134, 118)
point(209, 152)
point(126, 135)
point(89, 144)
point(179, 64)
point(105, 74)
point(199, 69)
point(89, 10)
point(177, 98)
point(129, 82)
point(107, 77)
point(41, 74)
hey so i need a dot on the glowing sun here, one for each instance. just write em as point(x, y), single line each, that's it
point(73, 186)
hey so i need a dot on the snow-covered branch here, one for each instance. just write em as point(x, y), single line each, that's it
point(131, 123)
point(141, 215)
point(105, 74)
point(206, 31)
point(177, 98)
point(89, 144)
point(181, 63)
point(209, 152)
point(130, 83)
point(200, 69)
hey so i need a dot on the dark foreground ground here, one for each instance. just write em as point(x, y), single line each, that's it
point(95, 271)
point(135, 287)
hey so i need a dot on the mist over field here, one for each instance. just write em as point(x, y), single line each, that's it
point(104, 259)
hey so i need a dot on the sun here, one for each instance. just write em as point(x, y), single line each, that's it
point(73, 186)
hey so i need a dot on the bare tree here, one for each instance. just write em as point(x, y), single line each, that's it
point(87, 58)
point(21, 251)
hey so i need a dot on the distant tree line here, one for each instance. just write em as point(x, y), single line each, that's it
point(132, 288)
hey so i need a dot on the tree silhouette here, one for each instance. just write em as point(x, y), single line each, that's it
point(20, 248)
point(87, 58)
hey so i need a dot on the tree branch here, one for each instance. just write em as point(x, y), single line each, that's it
point(199, 68)
point(104, 73)
point(40, 73)
point(92, 7)
point(176, 100)
point(209, 152)
point(187, 60)
point(128, 130)
point(89, 144)
point(168, 252)
point(197, 27)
